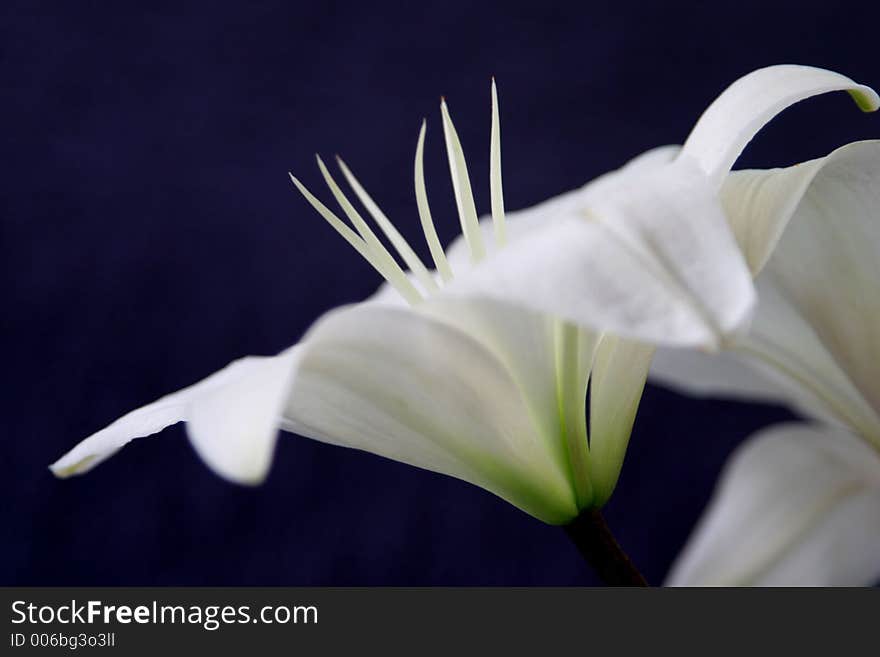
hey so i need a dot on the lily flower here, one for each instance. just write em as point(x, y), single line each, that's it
point(798, 504)
point(479, 367)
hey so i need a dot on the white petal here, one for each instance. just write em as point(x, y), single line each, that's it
point(575, 351)
point(619, 373)
point(815, 329)
point(409, 387)
point(519, 224)
point(555, 387)
point(234, 427)
point(826, 263)
point(523, 341)
point(760, 203)
point(726, 374)
point(748, 104)
point(645, 254)
point(551, 363)
point(781, 360)
point(233, 420)
point(795, 506)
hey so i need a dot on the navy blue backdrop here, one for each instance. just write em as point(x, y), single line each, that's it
point(150, 235)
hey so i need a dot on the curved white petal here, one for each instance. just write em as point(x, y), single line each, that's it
point(554, 388)
point(645, 254)
point(233, 418)
point(760, 203)
point(730, 122)
point(521, 223)
point(796, 506)
point(410, 387)
point(826, 263)
point(552, 363)
point(781, 360)
point(524, 343)
point(725, 374)
point(234, 427)
point(814, 335)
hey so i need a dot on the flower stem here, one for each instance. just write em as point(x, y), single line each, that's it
point(597, 545)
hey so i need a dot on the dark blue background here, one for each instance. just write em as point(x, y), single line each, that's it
point(150, 235)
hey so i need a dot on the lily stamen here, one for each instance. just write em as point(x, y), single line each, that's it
point(397, 240)
point(387, 267)
point(461, 186)
point(368, 243)
point(437, 252)
point(496, 190)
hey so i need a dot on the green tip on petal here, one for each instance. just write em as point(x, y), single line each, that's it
point(866, 98)
point(748, 104)
point(80, 466)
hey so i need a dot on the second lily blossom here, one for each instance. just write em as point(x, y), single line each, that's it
point(479, 367)
point(799, 503)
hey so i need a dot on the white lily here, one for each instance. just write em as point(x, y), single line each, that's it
point(479, 369)
point(798, 504)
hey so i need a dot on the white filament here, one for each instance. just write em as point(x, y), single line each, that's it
point(393, 274)
point(397, 240)
point(437, 253)
point(461, 186)
point(495, 187)
point(378, 249)
point(365, 241)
